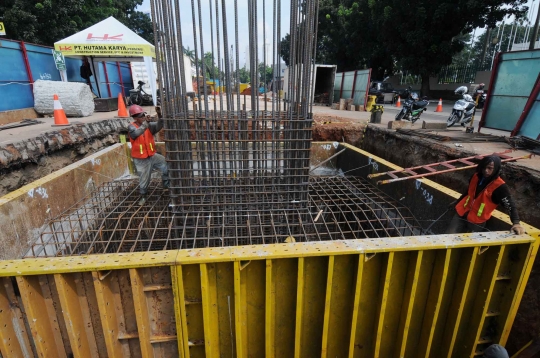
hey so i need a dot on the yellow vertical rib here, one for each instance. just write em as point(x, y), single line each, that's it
point(109, 322)
point(41, 317)
point(210, 316)
point(270, 311)
point(240, 309)
point(356, 305)
point(384, 300)
point(299, 309)
point(82, 340)
point(327, 305)
point(179, 310)
point(14, 336)
point(411, 298)
point(141, 312)
point(465, 291)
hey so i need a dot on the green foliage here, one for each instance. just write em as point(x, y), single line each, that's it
point(265, 73)
point(244, 75)
point(45, 22)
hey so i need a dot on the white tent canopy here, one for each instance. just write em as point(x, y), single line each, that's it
point(110, 40)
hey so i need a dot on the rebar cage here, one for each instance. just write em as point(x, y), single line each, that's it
point(110, 220)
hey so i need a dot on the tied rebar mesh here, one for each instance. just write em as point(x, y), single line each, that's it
point(110, 220)
point(227, 151)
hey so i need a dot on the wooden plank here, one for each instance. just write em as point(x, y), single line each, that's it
point(41, 317)
point(210, 312)
point(14, 340)
point(270, 319)
point(76, 314)
point(383, 303)
point(299, 309)
point(240, 307)
point(180, 310)
point(141, 312)
point(109, 320)
point(327, 303)
point(356, 304)
point(285, 278)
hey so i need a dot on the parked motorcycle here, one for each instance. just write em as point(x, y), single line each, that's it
point(481, 94)
point(139, 97)
point(463, 110)
point(413, 107)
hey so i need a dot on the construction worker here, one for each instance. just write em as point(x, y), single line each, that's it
point(143, 149)
point(486, 191)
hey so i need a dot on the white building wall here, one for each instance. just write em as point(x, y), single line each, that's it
point(139, 73)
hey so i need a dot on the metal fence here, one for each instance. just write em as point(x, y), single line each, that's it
point(22, 64)
point(457, 74)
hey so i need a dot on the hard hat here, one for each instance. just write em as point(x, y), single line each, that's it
point(482, 85)
point(134, 109)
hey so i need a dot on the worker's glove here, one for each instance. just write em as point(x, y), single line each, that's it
point(517, 229)
point(144, 125)
point(158, 111)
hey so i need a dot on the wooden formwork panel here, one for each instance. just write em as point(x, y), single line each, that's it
point(431, 296)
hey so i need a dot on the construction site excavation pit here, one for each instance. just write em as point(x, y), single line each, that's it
point(358, 259)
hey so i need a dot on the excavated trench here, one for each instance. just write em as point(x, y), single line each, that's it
point(525, 184)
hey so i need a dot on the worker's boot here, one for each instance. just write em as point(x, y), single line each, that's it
point(142, 201)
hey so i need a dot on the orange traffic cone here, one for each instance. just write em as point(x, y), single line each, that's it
point(439, 106)
point(60, 118)
point(122, 111)
point(398, 104)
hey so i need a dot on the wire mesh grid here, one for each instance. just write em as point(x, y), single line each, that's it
point(110, 220)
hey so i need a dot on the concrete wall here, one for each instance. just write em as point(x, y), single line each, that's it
point(24, 211)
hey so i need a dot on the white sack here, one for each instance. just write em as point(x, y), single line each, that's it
point(76, 98)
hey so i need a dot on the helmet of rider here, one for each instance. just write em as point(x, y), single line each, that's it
point(135, 109)
point(461, 90)
point(481, 86)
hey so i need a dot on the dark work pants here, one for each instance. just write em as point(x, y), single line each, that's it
point(460, 225)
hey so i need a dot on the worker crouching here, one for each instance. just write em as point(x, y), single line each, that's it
point(486, 191)
point(143, 149)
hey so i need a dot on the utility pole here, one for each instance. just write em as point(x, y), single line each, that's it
point(484, 50)
point(535, 31)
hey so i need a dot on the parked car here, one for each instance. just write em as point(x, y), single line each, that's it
point(379, 88)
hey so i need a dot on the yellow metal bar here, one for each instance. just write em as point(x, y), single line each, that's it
point(240, 307)
point(41, 316)
point(141, 312)
point(210, 314)
point(270, 319)
point(356, 305)
point(327, 306)
point(13, 336)
point(179, 310)
point(299, 309)
point(384, 301)
point(408, 305)
point(107, 309)
point(519, 280)
point(76, 315)
point(456, 312)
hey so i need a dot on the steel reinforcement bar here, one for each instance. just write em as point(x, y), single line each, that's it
point(429, 296)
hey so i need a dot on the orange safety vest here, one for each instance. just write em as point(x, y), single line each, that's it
point(144, 146)
point(481, 207)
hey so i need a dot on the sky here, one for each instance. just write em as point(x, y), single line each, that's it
point(268, 24)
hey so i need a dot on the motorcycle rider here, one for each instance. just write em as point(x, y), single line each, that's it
point(486, 191)
point(143, 149)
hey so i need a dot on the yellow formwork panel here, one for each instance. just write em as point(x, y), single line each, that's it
point(431, 296)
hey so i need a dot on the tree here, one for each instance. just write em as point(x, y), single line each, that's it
point(46, 21)
point(265, 73)
point(424, 35)
point(243, 74)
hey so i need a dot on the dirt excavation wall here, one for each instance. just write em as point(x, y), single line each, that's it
point(25, 161)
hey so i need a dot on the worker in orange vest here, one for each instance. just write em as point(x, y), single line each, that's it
point(143, 149)
point(486, 191)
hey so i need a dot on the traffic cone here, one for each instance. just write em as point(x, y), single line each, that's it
point(60, 118)
point(122, 111)
point(398, 104)
point(439, 106)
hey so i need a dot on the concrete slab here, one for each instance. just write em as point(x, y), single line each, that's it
point(434, 125)
point(399, 124)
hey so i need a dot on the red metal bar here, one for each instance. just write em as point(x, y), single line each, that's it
point(27, 66)
point(341, 89)
point(492, 80)
point(367, 89)
point(530, 102)
point(354, 83)
point(107, 78)
point(120, 77)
